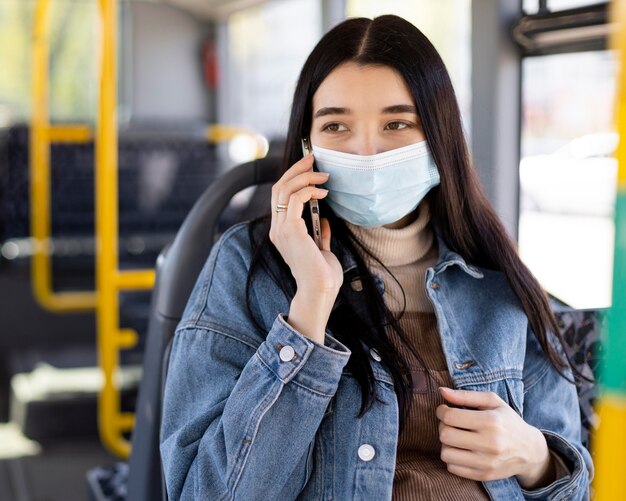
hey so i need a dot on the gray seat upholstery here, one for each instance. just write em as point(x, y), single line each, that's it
point(178, 267)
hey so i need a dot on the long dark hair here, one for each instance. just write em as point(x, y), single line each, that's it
point(459, 208)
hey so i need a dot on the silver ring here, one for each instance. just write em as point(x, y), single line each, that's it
point(281, 207)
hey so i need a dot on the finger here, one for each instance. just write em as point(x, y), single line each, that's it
point(458, 457)
point(470, 465)
point(300, 197)
point(302, 165)
point(461, 439)
point(298, 182)
point(325, 234)
point(476, 399)
point(460, 418)
point(279, 196)
point(279, 215)
point(468, 472)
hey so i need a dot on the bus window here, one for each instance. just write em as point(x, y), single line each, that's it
point(259, 62)
point(73, 82)
point(532, 6)
point(568, 175)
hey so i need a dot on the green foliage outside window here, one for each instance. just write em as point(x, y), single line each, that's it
point(73, 31)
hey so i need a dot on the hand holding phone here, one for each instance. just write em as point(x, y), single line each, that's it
point(317, 271)
point(313, 205)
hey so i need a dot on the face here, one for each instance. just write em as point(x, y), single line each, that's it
point(364, 110)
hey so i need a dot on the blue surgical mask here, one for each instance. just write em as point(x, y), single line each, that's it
point(374, 190)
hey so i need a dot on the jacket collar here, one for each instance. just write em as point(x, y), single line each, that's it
point(448, 257)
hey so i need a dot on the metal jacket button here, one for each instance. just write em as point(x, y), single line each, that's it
point(286, 353)
point(366, 452)
point(464, 365)
point(374, 354)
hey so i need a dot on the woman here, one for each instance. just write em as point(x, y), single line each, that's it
point(300, 373)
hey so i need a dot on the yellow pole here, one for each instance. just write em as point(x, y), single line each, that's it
point(610, 439)
point(106, 230)
point(40, 156)
point(41, 134)
point(112, 422)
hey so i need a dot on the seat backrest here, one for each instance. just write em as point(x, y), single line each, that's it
point(178, 267)
point(582, 332)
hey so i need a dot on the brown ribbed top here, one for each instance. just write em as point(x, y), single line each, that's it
point(408, 252)
point(420, 472)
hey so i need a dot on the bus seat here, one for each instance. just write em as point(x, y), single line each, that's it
point(178, 267)
point(582, 332)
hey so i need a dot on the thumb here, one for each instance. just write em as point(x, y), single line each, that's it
point(325, 234)
point(475, 399)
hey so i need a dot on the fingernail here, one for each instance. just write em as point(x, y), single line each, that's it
point(447, 390)
point(325, 173)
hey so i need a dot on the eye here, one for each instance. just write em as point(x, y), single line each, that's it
point(398, 125)
point(333, 127)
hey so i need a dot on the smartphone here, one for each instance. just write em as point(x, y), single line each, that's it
point(314, 207)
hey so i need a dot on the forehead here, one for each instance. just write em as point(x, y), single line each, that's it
point(362, 87)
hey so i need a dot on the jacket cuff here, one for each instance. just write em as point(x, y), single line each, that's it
point(571, 474)
point(291, 355)
point(560, 468)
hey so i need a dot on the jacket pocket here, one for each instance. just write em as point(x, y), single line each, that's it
point(510, 390)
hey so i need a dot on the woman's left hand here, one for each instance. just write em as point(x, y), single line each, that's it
point(491, 441)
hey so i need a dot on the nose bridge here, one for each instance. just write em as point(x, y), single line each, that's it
point(368, 142)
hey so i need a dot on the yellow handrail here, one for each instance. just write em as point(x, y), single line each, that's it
point(70, 134)
point(110, 280)
point(41, 134)
point(218, 133)
point(609, 439)
point(112, 422)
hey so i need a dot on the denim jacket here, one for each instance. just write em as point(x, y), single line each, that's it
point(269, 414)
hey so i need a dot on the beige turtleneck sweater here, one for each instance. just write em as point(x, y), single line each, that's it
point(408, 252)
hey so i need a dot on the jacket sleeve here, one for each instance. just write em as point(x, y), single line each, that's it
point(551, 405)
point(240, 412)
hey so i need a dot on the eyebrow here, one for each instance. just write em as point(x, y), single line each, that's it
point(396, 108)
